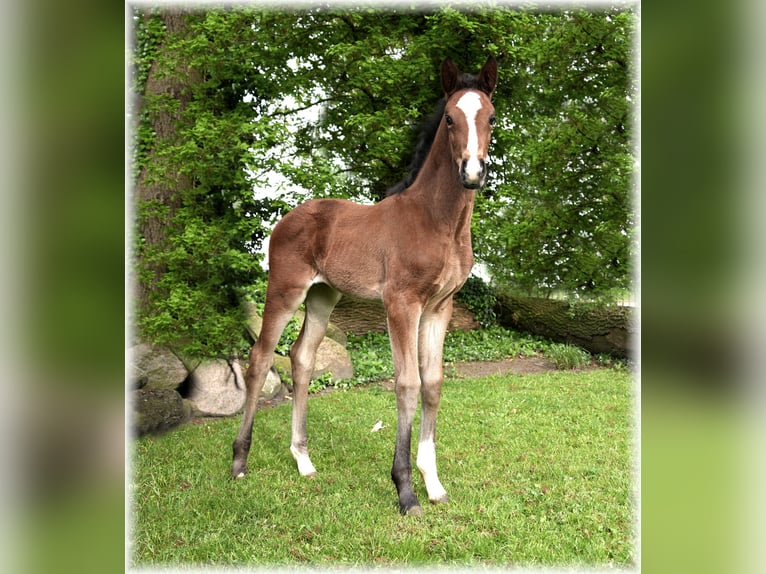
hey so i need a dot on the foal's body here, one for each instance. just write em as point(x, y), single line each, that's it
point(412, 250)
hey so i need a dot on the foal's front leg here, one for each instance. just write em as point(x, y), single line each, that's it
point(403, 328)
point(433, 327)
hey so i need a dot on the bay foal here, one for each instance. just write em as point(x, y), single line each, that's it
point(412, 250)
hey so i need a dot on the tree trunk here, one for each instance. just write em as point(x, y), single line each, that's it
point(161, 181)
point(607, 329)
point(361, 316)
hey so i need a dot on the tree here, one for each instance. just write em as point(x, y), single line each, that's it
point(199, 226)
point(556, 215)
point(559, 216)
point(318, 102)
point(167, 94)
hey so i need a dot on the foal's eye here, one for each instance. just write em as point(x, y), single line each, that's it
point(448, 119)
point(492, 120)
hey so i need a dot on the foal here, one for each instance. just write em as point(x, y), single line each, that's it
point(412, 250)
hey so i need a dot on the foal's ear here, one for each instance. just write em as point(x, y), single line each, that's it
point(450, 77)
point(488, 76)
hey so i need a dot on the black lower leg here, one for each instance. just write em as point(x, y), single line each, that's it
point(240, 449)
point(401, 474)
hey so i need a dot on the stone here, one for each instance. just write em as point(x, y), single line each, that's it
point(214, 389)
point(158, 410)
point(253, 320)
point(332, 357)
point(155, 367)
point(273, 385)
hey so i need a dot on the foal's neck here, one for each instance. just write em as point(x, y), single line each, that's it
point(445, 199)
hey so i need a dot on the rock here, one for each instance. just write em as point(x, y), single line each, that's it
point(282, 365)
point(155, 367)
point(273, 385)
point(253, 320)
point(158, 410)
point(332, 357)
point(213, 389)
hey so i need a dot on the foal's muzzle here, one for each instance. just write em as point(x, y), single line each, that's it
point(473, 173)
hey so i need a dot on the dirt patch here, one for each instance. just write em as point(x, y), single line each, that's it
point(518, 366)
point(477, 369)
point(465, 370)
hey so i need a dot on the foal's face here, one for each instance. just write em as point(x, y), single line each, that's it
point(469, 116)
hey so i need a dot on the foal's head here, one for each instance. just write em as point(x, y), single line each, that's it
point(469, 115)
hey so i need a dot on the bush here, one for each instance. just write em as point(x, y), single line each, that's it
point(479, 297)
point(568, 356)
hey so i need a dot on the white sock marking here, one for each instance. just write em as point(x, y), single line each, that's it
point(304, 462)
point(426, 464)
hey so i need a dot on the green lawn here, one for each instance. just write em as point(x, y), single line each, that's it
point(538, 468)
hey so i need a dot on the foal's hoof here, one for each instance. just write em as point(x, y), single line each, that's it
point(238, 470)
point(411, 508)
point(414, 511)
point(443, 499)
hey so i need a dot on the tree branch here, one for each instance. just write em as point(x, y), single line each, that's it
point(302, 108)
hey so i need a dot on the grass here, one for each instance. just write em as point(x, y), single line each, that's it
point(538, 469)
point(372, 360)
point(568, 356)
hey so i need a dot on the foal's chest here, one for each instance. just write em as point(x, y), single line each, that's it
point(457, 267)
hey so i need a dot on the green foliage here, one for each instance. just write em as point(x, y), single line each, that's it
point(538, 469)
point(372, 360)
point(317, 102)
point(490, 344)
point(371, 356)
point(558, 216)
point(568, 356)
point(321, 383)
point(611, 362)
point(480, 299)
point(209, 220)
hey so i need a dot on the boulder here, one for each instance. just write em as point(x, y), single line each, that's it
point(216, 388)
point(332, 357)
point(155, 367)
point(158, 410)
point(254, 322)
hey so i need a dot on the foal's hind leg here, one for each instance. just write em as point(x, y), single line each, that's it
point(320, 301)
point(403, 318)
point(433, 327)
point(281, 304)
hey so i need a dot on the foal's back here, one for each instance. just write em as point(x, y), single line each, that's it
point(356, 248)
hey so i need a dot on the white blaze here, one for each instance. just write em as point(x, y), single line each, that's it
point(470, 104)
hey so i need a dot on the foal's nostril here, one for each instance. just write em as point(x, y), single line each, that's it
point(463, 165)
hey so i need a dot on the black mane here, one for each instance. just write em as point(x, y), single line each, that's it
point(427, 134)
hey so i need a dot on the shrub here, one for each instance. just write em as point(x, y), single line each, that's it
point(568, 356)
point(479, 297)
